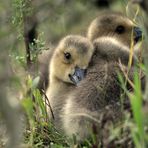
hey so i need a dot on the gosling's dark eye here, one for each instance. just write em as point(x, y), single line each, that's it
point(67, 55)
point(120, 29)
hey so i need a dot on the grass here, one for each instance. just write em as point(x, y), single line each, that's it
point(39, 132)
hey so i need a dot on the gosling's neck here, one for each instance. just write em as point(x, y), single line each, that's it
point(113, 50)
point(57, 86)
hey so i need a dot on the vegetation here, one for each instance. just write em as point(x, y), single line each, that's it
point(51, 20)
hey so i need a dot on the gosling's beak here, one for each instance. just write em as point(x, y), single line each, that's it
point(78, 75)
point(138, 34)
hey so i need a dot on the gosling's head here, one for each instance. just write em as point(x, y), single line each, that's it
point(70, 59)
point(114, 25)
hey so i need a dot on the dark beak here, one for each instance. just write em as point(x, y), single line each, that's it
point(138, 34)
point(78, 75)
